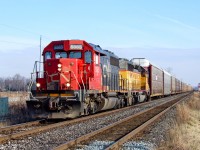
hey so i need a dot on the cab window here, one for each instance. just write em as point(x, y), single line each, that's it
point(61, 55)
point(48, 55)
point(88, 57)
point(75, 55)
point(96, 59)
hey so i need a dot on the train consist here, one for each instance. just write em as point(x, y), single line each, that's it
point(81, 78)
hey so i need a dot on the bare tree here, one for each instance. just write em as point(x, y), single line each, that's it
point(2, 84)
point(15, 83)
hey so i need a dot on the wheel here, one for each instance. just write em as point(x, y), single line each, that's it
point(134, 100)
point(130, 101)
point(93, 108)
point(122, 103)
point(86, 111)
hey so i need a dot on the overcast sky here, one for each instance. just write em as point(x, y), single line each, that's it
point(165, 32)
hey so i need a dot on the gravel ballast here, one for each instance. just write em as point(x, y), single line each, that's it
point(155, 134)
point(58, 136)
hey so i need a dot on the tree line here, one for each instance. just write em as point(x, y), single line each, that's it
point(15, 83)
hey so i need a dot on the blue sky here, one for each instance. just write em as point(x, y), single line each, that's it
point(166, 32)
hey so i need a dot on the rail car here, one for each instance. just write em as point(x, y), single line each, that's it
point(161, 82)
point(80, 78)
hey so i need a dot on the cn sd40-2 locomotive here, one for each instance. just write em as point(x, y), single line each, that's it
point(80, 78)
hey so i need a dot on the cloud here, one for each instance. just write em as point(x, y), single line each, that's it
point(11, 44)
point(18, 55)
point(14, 43)
point(177, 22)
point(181, 61)
point(18, 62)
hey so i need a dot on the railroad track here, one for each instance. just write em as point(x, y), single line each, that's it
point(121, 131)
point(25, 129)
point(19, 130)
point(45, 130)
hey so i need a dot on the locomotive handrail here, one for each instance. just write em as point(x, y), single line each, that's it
point(78, 84)
point(32, 74)
point(30, 86)
point(35, 68)
point(83, 83)
point(31, 83)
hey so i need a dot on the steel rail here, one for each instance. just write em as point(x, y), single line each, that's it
point(17, 126)
point(86, 137)
point(36, 130)
point(13, 131)
point(119, 143)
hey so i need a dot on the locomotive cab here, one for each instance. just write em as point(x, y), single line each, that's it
point(71, 68)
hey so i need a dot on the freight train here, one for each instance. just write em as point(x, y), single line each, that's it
point(80, 78)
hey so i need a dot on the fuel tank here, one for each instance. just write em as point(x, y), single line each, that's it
point(108, 103)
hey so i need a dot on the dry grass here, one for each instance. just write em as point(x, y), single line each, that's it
point(17, 108)
point(183, 115)
point(2, 124)
point(13, 94)
point(185, 133)
point(18, 112)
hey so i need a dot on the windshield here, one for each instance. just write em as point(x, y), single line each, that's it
point(48, 55)
point(75, 55)
point(61, 55)
point(88, 57)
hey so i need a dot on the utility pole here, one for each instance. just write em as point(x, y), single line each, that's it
point(40, 54)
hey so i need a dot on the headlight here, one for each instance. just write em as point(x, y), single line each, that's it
point(59, 65)
point(59, 69)
point(68, 84)
point(38, 84)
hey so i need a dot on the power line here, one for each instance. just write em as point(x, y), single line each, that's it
point(24, 30)
point(10, 42)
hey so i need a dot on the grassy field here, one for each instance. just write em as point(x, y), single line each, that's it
point(185, 133)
